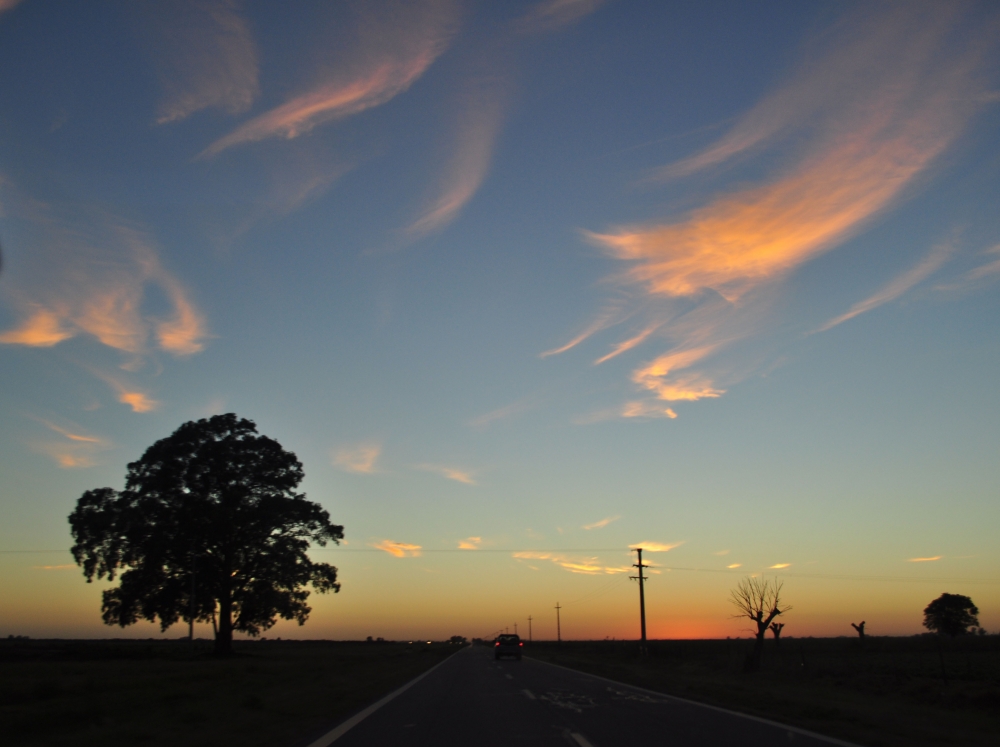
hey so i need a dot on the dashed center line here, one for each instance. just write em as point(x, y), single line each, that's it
point(530, 694)
point(580, 739)
point(508, 676)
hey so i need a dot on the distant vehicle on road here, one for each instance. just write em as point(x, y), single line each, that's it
point(508, 645)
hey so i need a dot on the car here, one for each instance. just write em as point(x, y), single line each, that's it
point(508, 645)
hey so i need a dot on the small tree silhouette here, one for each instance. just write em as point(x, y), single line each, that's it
point(760, 601)
point(951, 614)
point(776, 630)
point(860, 628)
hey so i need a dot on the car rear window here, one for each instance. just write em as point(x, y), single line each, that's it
point(510, 639)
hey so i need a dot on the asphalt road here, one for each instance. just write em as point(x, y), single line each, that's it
point(473, 701)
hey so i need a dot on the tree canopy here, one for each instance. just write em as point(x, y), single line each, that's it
point(209, 522)
point(951, 614)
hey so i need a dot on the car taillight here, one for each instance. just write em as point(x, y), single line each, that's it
point(497, 643)
point(521, 643)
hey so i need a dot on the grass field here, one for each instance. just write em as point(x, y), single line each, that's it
point(890, 692)
point(271, 693)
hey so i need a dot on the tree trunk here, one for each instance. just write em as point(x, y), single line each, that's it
point(224, 635)
point(755, 657)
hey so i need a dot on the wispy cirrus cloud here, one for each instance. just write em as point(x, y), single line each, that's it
point(472, 151)
point(451, 473)
point(602, 523)
point(398, 549)
point(392, 46)
point(470, 543)
point(85, 271)
point(587, 566)
point(127, 393)
point(656, 546)
point(204, 53)
point(897, 287)
point(779, 566)
point(549, 15)
point(359, 459)
point(734, 565)
point(925, 560)
point(880, 99)
point(501, 413)
point(76, 449)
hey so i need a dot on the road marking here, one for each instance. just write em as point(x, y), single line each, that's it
point(695, 704)
point(508, 676)
point(580, 739)
point(530, 694)
point(332, 736)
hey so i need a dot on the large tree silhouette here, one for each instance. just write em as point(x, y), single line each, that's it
point(759, 600)
point(209, 522)
point(951, 614)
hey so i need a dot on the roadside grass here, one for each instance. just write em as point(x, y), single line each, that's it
point(273, 693)
point(888, 692)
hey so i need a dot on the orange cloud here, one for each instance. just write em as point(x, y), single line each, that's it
point(360, 459)
point(656, 377)
point(734, 565)
point(451, 473)
point(470, 543)
point(608, 318)
point(472, 153)
point(398, 549)
point(602, 523)
point(585, 566)
point(857, 125)
point(897, 287)
point(627, 345)
point(205, 55)
point(656, 546)
point(78, 451)
point(501, 413)
point(87, 271)
point(552, 14)
point(990, 268)
point(391, 51)
point(778, 566)
point(925, 560)
point(8, 4)
point(42, 328)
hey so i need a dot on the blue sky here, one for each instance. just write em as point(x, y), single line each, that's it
point(717, 278)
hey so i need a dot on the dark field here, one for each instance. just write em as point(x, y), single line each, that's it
point(890, 692)
point(274, 693)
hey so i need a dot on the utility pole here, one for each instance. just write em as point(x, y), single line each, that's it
point(529, 628)
point(642, 595)
point(558, 627)
point(515, 628)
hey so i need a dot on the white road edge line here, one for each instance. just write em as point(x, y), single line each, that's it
point(580, 739)
point(665, 696)
point(530, 694)
point(332, 736)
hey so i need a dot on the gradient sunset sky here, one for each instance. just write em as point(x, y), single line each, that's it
point(523, 284)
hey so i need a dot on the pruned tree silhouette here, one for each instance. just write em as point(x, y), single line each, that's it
point(217, 494)
point(776, 630)
point(860, 628)
point(760, 601)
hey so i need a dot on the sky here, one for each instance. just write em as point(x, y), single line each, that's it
point(523, 285)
